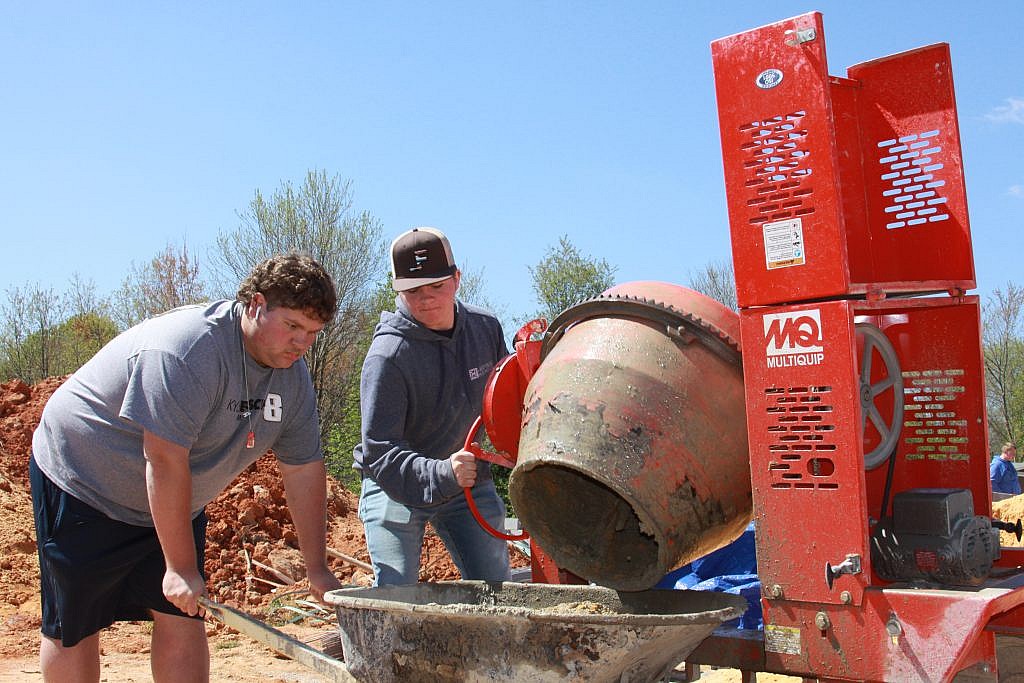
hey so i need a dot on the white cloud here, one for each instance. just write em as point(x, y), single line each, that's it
point(1016, 191)
point(1012, 112)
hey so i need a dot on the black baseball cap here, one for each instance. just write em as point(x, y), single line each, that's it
point(421, 256)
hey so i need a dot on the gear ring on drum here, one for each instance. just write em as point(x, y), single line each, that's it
point(875, 339)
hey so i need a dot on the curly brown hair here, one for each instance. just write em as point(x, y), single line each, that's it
point(293, 280)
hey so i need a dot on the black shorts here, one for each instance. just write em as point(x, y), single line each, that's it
point(94, 570)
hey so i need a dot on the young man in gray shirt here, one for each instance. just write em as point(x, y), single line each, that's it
point(421, 390)
point(131, 448)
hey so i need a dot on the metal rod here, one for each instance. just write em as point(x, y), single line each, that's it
point(302, 653)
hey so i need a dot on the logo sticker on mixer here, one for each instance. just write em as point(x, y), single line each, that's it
point(793, 338)
point(769, 78)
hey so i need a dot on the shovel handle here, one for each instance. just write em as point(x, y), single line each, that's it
point(333, 669)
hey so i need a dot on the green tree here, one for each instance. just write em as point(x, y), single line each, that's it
point(1003, 339)
point(81, 337)
point(29, 345)
point(316, 218)
point(89, 325)
point(565, 277)
point(170, 279)
point(348, 432)
point(473, 290)
point(39, 338)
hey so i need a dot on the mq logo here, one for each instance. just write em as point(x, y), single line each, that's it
point(793, 338)
point(768, 79)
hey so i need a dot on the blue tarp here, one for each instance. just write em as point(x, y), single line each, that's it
point(732, 569)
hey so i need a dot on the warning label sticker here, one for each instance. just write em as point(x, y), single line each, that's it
point(782, 639)
point(784, 243)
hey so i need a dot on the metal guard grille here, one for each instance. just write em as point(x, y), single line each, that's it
point(911, 172)
point(777, 164)
point(801, 444)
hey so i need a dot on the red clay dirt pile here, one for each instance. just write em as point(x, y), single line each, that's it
point(251, 547)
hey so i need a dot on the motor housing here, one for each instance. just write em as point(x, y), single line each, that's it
point(934, 535)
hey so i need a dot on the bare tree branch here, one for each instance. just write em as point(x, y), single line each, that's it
point(316, 218)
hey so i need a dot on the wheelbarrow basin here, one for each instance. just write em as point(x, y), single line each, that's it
point(480, 631)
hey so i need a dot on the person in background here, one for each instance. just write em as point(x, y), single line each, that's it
point(133, 445)
point(1002, 472)
point(421, 389)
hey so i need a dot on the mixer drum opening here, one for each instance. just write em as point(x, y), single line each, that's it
point(600, 534)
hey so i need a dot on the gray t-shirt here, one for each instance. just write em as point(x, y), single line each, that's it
point(179, 376)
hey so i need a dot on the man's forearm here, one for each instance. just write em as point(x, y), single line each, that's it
point(306, 489)
point(169, 488)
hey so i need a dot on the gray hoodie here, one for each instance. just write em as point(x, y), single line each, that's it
point(420, 392)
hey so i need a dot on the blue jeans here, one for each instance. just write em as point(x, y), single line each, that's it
point(394, 535)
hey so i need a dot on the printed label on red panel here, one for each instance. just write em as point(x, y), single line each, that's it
point(793, 339)
point(784, 243)
point(782, 639)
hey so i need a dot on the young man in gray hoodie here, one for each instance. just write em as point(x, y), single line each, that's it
point(421, 390)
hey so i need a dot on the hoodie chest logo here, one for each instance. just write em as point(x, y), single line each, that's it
point(477, 373)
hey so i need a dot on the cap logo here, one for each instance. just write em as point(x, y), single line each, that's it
point(420, 255)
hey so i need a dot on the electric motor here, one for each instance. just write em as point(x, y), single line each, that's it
point(934, 535)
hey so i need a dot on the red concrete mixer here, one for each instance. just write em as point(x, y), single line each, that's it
point(854, 430)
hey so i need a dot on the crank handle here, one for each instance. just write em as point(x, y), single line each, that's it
point(479, 453)
point(1009, 527)
point(496, 458)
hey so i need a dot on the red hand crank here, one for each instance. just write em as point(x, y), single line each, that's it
point(497, 459)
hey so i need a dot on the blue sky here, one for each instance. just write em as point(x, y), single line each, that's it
point(128, 126)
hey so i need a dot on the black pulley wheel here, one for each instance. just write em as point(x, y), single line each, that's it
point(877, 347)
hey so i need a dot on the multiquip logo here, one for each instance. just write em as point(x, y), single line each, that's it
point(793, 338)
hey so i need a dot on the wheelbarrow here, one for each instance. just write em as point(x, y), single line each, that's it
point(480, 631)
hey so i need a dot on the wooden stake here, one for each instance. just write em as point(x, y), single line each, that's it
point(281, 575)
point(351, 560)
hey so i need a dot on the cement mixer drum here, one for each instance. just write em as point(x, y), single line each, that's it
point(633, 450)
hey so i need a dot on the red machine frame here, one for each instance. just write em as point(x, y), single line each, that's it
point(839, 186)
point(811, 377)
point(842, 193)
